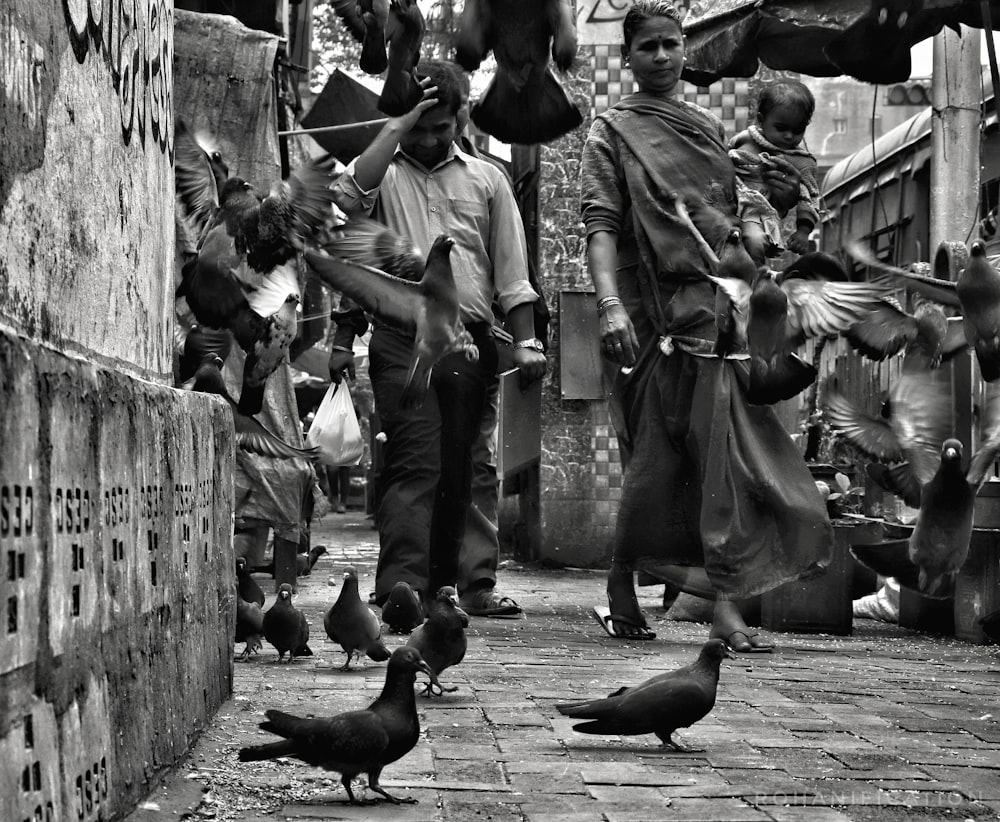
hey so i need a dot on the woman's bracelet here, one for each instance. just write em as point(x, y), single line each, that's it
point(605, 303)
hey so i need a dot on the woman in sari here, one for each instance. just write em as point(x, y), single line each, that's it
point(710, 481)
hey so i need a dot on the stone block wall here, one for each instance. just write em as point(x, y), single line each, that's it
point(116, 593)
point(116, 563)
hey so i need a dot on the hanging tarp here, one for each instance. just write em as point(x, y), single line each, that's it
point(343, 102)
point(859, 38)
point(224, 85)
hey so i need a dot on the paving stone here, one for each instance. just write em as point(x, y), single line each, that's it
point(885, 726)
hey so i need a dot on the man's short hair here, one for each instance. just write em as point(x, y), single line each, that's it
point(448, 78)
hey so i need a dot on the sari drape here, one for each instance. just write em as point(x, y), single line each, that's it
point(710, 480)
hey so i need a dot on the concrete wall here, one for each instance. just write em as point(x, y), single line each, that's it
point(116, 564)
point(86, 191)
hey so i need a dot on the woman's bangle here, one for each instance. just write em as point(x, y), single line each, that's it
point(605, 303)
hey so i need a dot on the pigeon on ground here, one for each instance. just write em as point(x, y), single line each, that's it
point(353, 625)
point(660, 705)
point(249, 626)
point(251, 436)
point(428, 309)
point(285, 626)
point(304, 563)
point(991, 626)
point(930, 469)
point(249, 588)
point(524, 103)
point(441, 639)
point(402, 611)
point(357, 741)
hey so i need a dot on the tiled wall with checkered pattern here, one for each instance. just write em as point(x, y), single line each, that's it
point(729, 98)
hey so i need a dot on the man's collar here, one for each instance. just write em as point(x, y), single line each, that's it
point(454, 153)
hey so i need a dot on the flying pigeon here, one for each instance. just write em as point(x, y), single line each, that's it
point(428, 308)
point(660, 705)
point(357, 741)
point(524, 103)
point(918, 435)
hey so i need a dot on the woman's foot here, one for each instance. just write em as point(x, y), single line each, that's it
point(728, 624)
point(622, 603)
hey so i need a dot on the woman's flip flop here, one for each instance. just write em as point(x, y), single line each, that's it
point(606, 620)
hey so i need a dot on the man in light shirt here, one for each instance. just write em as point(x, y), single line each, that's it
point(414, 179)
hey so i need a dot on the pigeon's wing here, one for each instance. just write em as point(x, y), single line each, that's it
point(194, 181)
point(954, 340)
point(273, 289)
point(941, 291)
point(347, 11)
point(671, 703)
point(389, 299)
point(897, 479)
point(254, 437)
point(369, 242)
point(474, 34)
point(353, 737)
point(883, 332)
point(873, 435)
point(985, 456)
point(309, 195)
point(817, 308)
point(922, 417)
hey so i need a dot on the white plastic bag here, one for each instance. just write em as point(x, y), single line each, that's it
point(335, 430)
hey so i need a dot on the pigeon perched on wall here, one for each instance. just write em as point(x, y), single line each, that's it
point(251, 436)
point(353, 625)
point(524, 103)
point(286, 627)
point(441, 638)
point(355, 742)
point(660, 705)
point(249, 626)
point(248, 588)
point(428, 308)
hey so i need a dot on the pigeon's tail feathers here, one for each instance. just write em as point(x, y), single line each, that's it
point(782, 380)
point(418, 383)
point(378, 652)
point(255, 753)
point(599, 726)
point(274, 290)
point(536, 113)
point(595, 709)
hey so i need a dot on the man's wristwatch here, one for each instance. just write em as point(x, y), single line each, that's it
point(533, 343)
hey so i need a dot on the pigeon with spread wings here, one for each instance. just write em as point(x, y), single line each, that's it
point(428, 309)
point(932, 472)
point(782, 315)
point(243, 277)
point(251, 436)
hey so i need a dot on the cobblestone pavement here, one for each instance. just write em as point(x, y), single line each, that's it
point(886, 724)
